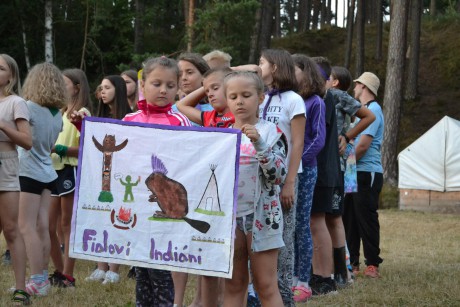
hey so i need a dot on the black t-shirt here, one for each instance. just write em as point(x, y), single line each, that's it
point(328, 157)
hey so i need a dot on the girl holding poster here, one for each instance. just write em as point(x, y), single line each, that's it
point(159, 85)
point(259, 216)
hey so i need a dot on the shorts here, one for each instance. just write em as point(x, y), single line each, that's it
point(322, 200)
point(338, 201)
point(65, 183)
point(33, 186)
point(244, 223)
point(9, 171)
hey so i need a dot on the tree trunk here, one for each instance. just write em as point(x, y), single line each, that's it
point(85, 38)
point(360, 22)
point(253, 51)
point(323, 13)
point(191, 11)
point(316, 12)
point(433, 8)
point(277, 31)
point(24, 34)
point(49, 31)
point(350, 23)
point(308, 15)
point(393, 89)
point(337, 13)
point(378, 50)
point(302, 15)
point(266, 24)
point(412, 76)
point(139, 27)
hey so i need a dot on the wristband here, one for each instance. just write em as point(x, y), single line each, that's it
point(346, 137)
point(61, 150)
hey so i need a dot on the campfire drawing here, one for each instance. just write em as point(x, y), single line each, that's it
point(171, 196)
point(124, 216)
point(124, 219)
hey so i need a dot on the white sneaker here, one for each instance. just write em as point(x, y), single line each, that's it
point(97, 275)
point(111, 278)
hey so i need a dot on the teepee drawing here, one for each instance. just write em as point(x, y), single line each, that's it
point(210, 202)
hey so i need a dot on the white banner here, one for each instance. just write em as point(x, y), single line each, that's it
point(156, 196)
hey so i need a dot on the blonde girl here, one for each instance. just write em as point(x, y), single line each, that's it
point(14, 131)
point(45, 92)
point(259, 226)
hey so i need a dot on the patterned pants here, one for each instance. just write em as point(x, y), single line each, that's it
point(154, 288)
point(303, 240)
point(286, 255)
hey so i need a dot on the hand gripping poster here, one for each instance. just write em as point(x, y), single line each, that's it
point(156, 196)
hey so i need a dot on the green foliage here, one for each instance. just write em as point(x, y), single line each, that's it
point(226, 25)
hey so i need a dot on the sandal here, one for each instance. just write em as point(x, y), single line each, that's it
point(20, 297)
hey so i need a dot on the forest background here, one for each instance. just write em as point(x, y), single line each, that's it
point(412, 45)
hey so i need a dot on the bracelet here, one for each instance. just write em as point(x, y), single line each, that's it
point(61, 150)
point(346, 137)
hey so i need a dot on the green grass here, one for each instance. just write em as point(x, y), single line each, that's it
point(421, 267)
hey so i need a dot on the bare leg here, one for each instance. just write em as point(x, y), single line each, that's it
point(235, 288)
point(209, 291)
point(114, 267)
point(322, 246)
point(55, 249)
point(29, 206)
point(43, 227)
point(180, 282)
point(198, 292)
point(9, 210)
point(336, 230)
point(66, 220)
point(263, 267)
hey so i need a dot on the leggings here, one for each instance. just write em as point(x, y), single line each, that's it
point(154, 288)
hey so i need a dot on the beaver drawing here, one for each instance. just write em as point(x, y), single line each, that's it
point(170, 195)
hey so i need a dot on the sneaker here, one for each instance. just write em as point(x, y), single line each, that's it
point(97, 275)
point(111, 278)
point(301, 294)
point(324, 286)
point(372, 271)
point(38, 289)
point(6, 258)
point(69, 281)
point(56, 279)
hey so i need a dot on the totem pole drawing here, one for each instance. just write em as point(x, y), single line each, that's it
point(107, 149)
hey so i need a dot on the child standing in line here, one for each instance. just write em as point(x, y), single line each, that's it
point(159, 86)
point(285, 108)
point(311, 88)
point(259, 215)
point(14, 131)
point(65, 160)
point(213, 89)
point(130, 77)
point(114, 105)
point(45, 92)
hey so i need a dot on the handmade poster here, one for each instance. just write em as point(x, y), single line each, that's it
point(156, 196)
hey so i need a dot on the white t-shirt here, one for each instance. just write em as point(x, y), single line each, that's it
point(282, 109)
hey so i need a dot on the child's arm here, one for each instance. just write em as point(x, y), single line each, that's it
point(22, 136)
point(187, 105)
point(271, 159)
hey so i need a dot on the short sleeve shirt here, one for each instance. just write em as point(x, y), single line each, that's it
point(12, 108)
point(212, 119)
point(282, 109)
point(371, 161)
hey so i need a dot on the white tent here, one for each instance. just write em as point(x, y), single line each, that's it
point(429, 170)
point(432, 162)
